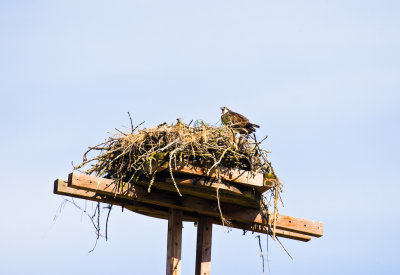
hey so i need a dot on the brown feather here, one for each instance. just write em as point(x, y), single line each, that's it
point(239, 122)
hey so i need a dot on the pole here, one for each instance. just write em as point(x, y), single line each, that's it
point(174, 242)
point(203, 247)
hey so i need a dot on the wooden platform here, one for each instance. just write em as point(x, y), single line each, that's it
point(157, 202)
point(239, 201)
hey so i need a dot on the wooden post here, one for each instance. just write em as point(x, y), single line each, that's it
point(174, 242)
point(203, 247)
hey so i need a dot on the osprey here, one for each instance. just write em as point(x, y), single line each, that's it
point(237, 121)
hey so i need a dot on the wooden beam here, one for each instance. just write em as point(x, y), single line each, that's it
point(313, 228)
point(287, 223)
point(174, 243)
point(278, 232)
point(61, 188)
point(191, 204)
point(207, 189)
point(246, 178)
point(203, 246)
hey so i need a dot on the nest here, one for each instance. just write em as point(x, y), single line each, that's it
point(125, 156)
point(129, 157)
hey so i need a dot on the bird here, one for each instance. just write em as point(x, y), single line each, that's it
point(237, 121)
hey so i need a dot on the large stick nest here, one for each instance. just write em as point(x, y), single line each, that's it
point(126, 157)
point(134, 156)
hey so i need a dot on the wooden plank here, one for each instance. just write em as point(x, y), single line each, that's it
point(155, 211)
point(207, 189)
point(191, 204)
point(246, 178)
point(203, 246)
point(307, 227)
point(313, 228)
point(61, 188)
point(259, 228)
point(174, 243)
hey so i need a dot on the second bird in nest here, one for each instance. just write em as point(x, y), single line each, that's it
point(237, 121)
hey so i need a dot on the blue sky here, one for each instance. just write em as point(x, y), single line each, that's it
point(321, 78)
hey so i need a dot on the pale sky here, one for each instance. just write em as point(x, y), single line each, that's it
point(321, 78)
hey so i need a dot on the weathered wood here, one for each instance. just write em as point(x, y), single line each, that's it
point(61, 188)
point(278, 232)
point(192, 204)
point(156, 211)
point(307, 227)
point(203, 246)
point(207, 189)
point(174, 242)
point(246, 178)
point(313, 228)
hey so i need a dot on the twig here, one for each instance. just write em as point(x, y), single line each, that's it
point(269, 269)
point(91, 217)
point(108, 216)
point(218, 162)
point(261, 252)
point(130, 118)
point(137, 126)
point(284, 248)
point(60, 208)
point(172, 175)
point(223, 220)
point(276, 196)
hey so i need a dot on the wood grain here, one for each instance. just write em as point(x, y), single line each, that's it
point(203, 246)
point(174, 242)
point(207, 189)
point(193, 204)
point(245, 178)
point(61, 188)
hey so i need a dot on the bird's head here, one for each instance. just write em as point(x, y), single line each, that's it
point(224, 110)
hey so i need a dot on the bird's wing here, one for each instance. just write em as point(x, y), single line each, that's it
point(238, 118)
